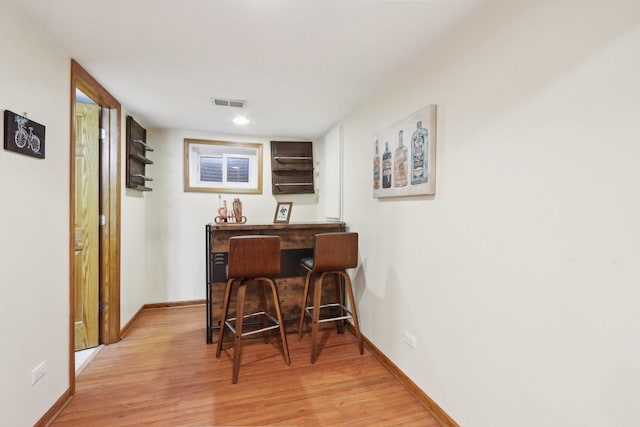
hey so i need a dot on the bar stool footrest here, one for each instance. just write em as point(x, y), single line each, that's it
point(330, 317)
point(274, 323)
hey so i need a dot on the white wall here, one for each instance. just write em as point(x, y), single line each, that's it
point(176, 219)
point(134, 285)
point(331, 181)
point(34, 224)
point(520, 277)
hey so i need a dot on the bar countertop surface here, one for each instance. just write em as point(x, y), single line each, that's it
point(274, 226)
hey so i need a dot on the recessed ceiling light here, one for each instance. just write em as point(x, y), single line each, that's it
point(241, 120)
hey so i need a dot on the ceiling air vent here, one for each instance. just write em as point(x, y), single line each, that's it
point(223, 102)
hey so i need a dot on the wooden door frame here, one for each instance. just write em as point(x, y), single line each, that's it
point(109, 286)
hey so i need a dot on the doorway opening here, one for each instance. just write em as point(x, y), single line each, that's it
point(94, 216)
point(87, 223)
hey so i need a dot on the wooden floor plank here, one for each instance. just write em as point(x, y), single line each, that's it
point(163, 373)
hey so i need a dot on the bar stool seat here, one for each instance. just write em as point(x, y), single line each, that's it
point(252, 259)
point(333, 254)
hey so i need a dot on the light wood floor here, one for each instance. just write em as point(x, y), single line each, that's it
point(163, 373)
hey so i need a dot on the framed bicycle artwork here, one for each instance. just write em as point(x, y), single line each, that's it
point(23, 135)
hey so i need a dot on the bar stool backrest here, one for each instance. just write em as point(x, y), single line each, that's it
point(254, 256)
point(335, 251)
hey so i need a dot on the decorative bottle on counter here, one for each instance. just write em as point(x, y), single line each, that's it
point(237, 210)
point(222, 211)
point(376, 168)
point(419, 155)
point(400, 163)
point(386, 166)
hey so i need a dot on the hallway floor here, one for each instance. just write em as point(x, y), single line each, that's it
point(163, 373)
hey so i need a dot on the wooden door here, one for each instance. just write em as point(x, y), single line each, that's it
point(87, 220)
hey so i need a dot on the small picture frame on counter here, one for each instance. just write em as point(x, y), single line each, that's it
point(283, 212)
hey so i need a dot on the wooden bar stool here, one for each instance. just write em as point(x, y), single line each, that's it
point(252, 259)
point(333, 254)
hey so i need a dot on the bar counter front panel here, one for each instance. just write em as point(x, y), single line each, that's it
point(296, 242)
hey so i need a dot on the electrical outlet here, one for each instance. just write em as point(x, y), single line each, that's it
point(410, 340)
point(38, 372)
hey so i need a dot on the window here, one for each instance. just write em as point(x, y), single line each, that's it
point(222, 167)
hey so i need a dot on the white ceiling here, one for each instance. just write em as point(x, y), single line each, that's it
point(302, 65)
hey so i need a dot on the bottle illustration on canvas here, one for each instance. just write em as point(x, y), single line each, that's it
point(400, 164)
point(419, 155)
point(386, 166)
point(376, 168)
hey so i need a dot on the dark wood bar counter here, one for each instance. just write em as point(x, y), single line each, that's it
point(296, 243)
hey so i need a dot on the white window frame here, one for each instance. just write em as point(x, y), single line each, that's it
point(195, 149)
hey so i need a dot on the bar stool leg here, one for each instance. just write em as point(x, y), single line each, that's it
point(317, 292)
point(305, 296)
point(283, 335)
point(354, 312)
point(263, 307)
point(337, 281)
point(224, 314)
point(238, 338)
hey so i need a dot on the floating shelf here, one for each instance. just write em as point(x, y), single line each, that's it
point(139, 157)
point(144, 144)
point(137, 160)
point(292, 167)
point(145, 178)
point(281, 158)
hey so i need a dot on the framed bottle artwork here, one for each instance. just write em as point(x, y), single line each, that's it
point(404, 156)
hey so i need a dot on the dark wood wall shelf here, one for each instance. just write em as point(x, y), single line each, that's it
point(292, 167)
point(137, 160)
